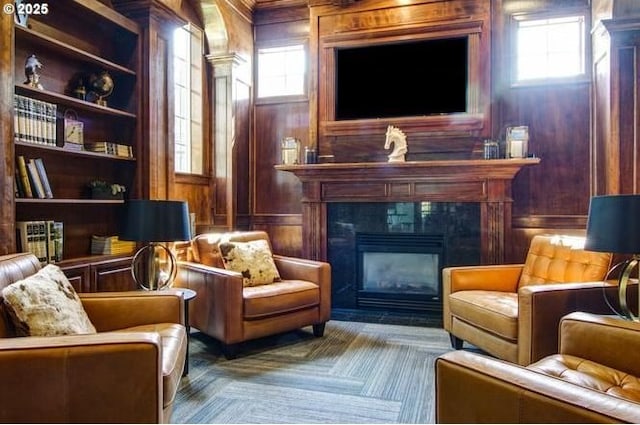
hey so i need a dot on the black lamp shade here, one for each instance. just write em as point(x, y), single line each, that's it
point(614, 224)
point(155, 221)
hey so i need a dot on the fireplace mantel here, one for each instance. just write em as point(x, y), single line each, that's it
point(487, 182)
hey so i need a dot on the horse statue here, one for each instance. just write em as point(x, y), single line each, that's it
point(399, 140)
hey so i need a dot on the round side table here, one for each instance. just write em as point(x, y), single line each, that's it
point(187, 295)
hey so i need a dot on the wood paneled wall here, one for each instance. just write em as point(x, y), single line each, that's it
point(550, 197)
point(276, 195)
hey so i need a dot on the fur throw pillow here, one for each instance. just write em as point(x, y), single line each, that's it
point(253, 259)
point(45, 304)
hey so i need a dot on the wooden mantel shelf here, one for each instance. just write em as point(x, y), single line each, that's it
point(487, 182)
point(460, 169)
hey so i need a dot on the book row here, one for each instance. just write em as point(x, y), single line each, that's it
point(110, 148)
point(31, 179)
point(34, 120)
point(43, 238)
point(111, 245)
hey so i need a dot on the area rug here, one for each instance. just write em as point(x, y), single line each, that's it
point(357, 373)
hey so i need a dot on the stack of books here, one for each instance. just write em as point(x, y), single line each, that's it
point(31, 179)
point(110, 148)
point(43, 238)
point(111, 245)
point(34, 121)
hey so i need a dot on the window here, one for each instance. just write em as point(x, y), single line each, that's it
point(188, 78)
point(550, 48)
point(281, 71)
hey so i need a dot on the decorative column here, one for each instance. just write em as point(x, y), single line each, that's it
point(232, 96)
point(615, 158)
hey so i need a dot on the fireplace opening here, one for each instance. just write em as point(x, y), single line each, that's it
point(399, 271)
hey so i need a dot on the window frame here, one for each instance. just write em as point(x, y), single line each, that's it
point(516, 18)
point(204, 163)
point(282, 98)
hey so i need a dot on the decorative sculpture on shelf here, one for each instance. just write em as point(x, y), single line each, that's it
point(102, 86)
point(31, 67)
point(399, 140)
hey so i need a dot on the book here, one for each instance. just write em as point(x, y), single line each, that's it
point(34, 121)
point(24, 177)
point(44, 179)
point(43, 238)
point(32, 237)
point(22, 236)
point(36, 184)
point(55, 241)
point(19, 187)
point(111, 245)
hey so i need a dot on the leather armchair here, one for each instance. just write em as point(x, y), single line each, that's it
point(594, 379)
point(128, 372)
point(231, 313)
point(513, 311)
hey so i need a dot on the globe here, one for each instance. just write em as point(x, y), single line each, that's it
point(102, 85)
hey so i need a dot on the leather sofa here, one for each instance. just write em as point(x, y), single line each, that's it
point(512, 311)
point(127, 372)
point(232, 313)
point(595, 378)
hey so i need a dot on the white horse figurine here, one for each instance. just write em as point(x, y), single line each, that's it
point(399, 140)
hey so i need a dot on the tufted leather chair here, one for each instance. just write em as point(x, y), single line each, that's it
point(513, 311)
point(231, 313)
point(128, 372)
point(594, 378)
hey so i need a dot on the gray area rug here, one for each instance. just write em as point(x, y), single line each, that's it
point(357, 373)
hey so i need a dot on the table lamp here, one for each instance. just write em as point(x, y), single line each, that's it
point(613, 226)
point(154, 222)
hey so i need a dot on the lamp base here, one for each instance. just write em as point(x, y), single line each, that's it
point(153, 267)
point(623, 283)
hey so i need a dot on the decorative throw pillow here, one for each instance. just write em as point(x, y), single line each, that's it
point(253, 259)
point(45, 304)
point(206, 250)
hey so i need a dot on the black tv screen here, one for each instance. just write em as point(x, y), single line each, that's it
point(401, 80)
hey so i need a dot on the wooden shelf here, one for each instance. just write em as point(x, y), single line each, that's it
point(63, 151)
point(105, 12)
point(63, 99)
point(68, 201)
point(69, 51)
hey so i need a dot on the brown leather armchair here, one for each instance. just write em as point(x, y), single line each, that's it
point(595, 378)
point(513, 311)
point(128, 372)
point(231, 313)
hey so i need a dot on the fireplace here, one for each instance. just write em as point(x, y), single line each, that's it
point(389, 255)
point(467, 201)
point(399, 271)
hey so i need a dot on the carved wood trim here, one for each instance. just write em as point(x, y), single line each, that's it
point(485, 181)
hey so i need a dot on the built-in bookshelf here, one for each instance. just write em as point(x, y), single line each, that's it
point(75, 134)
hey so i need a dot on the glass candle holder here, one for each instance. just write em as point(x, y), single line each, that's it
point(290, 151)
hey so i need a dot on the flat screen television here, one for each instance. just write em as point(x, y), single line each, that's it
point(417, 78)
